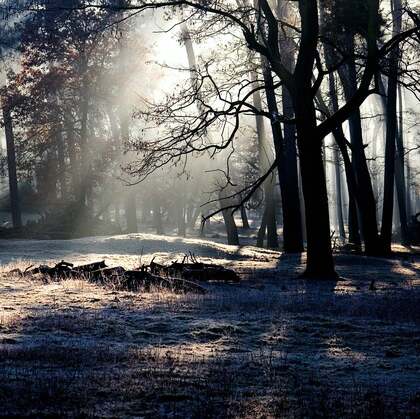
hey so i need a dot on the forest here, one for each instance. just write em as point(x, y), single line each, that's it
point(210, 208)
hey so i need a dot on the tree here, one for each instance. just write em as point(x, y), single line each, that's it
point(391, 133)
point(11, 164)
point(303, 90)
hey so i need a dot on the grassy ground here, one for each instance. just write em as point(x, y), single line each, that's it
point(272, 346)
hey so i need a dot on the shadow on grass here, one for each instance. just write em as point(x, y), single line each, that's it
point(282, 351)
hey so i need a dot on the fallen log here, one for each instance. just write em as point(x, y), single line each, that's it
point(195, 271)
point(89, 268)
point(133, 280)
point(105, 275)
point(178, 277)
point(60, 270)
point(117, 277)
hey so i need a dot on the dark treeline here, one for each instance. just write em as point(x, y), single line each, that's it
point(292, 114)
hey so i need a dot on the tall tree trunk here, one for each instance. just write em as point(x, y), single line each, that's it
point(400, 175)
point(367, 211)
point(391, 132)
point(338, 194)
point(272, 237)
point(354, 236)
point(264, 157)
point(353, 224)
point(409, 205)
point(319, 260)
point(320, 263)
point(11, 165)
point(286, 166)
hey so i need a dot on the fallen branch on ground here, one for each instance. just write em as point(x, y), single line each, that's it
point(177, 277)
point(192, 270)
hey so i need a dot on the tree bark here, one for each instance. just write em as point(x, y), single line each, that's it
point(262, 230)
point(244, 218)
point(400, 175)
point(231, 229)
point(11, 164)
point(366, 214)
point(391, 132)
point(320, 263)
point(319, 259)
point(409, 205)
point(338, 193)
point(285, 150)
point(264, 155)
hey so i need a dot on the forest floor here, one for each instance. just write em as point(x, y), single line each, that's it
point(273, 345)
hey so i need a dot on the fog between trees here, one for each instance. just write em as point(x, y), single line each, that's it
point(293, 125)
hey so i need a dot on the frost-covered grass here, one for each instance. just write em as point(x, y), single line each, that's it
point(272, 346)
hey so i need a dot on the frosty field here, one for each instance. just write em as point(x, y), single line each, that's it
point(272, 346)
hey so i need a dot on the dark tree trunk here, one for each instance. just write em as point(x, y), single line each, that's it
point(320, 263)
point(291, 180)
point(285, 149)
point(244, 218)
point(319, 260)
point(264, 155)
point(338, 193)
point(262, 230)
point(11, 164)
point(388, 201)
point(400, 176)
point(409, 205)
point(231, 229)
point(353, 223)
point(390, 140)
point(354, 236)
point(272, 237)
point(367, 205)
